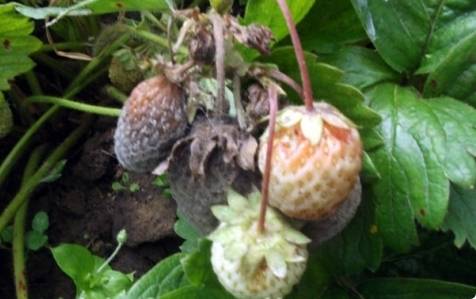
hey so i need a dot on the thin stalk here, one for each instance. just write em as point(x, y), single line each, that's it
point(30, 185)
point(18, 243)
point(62, 46)
point(283, 78)
point(218, 35)
point(279, 76)
point(163, 42)
point(33, 82)
point(170, 24)
point(115, 93)
point(240, 111)
point(110, 258)
point(306, 82)
point(148, 15)
point(106, 111)
point(22, 145)
point(273, 108)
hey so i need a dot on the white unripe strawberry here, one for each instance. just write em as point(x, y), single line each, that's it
point(253, 264)
point(317, 157)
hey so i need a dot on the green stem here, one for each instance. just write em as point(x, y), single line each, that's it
point(22, 145)
point(76, 105)
point(152, 37)
point(18, 243)
point(163, 42)
point(110, 258)
point(115, 93)
point(33, 182)
point(150, 16)
point(33, 82)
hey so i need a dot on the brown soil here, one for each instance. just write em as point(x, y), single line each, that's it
point(84, 209)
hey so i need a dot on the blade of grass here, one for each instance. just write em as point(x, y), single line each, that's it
point(18, 243)
point(106, 111)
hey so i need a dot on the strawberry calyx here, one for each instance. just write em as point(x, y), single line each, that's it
point(276, 247)
point(311, 123)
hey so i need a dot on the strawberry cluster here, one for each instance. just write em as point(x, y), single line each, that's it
point(193, 120)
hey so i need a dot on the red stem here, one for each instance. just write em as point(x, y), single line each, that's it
point(273, 108)
point(306, 82)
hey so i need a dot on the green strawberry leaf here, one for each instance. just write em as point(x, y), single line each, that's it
point(75, 261)
point(159, 280)
point(426, 143)
point(329, 25)
point(16, 44)
point(335, 293)
point(327, 85)
point(429, 37)
point(187, 232)
point(313, 282)
point(267, 13)
point(83, 268)
point(197, 266)
point(357, 247)
point(455, 73)
point(461, 216)
point(199, 272)
point(363, 67)
point(195, 292)
point(399, 30)
point(404, 288)
point(87, 7)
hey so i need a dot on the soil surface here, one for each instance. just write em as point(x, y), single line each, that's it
point(84, 209)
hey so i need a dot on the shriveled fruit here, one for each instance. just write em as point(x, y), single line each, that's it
point(250, 264)
point(324, 229)
point(316, 161)
point(214, 157)
point(152, 119)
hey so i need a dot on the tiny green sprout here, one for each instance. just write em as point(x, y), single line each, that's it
point(125, 184)
point(36, 238)
point(134, 187)
point(163, 183)
point(121, 237)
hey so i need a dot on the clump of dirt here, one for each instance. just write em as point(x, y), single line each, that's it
point(84, 209)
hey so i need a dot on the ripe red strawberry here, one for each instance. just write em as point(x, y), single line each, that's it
point(152, 119)
point(250, 264)
point(316, 161)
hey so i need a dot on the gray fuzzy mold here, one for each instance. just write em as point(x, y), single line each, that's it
point(152, 119)
point(325, 229)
